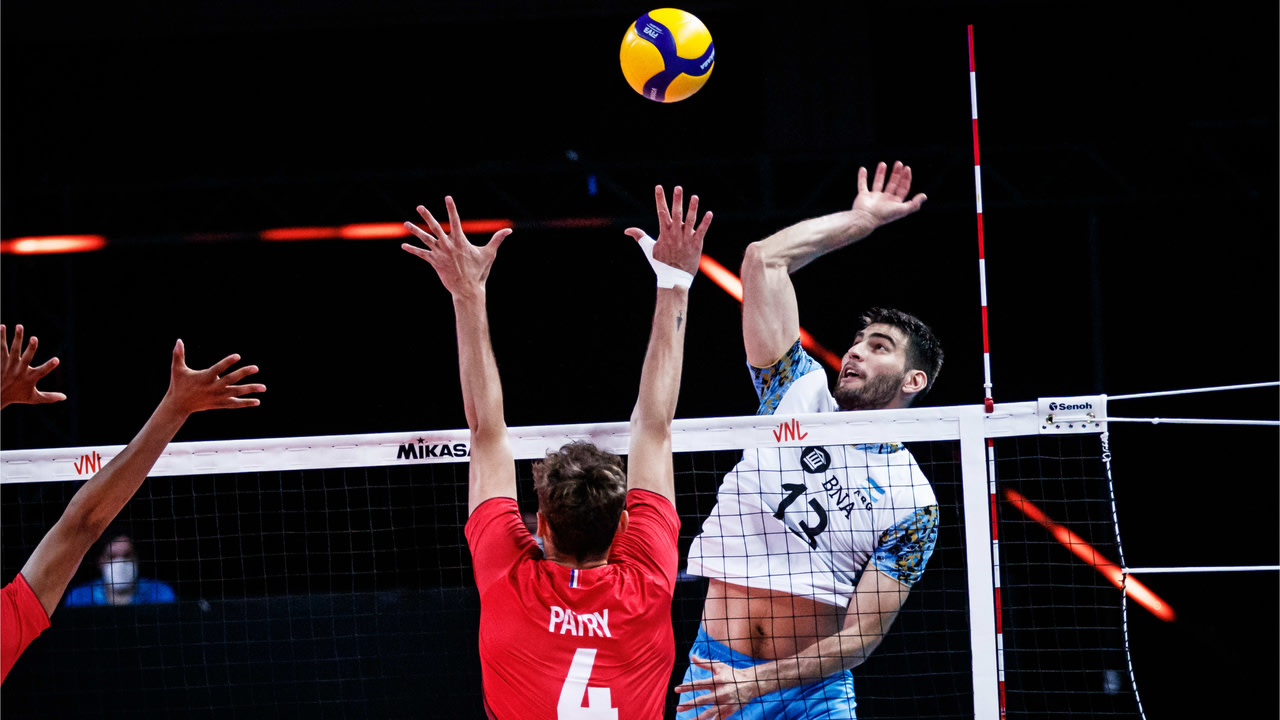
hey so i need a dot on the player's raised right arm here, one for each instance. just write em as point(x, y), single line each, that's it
point(770, 313)
point(464, 268)
point(678, 248)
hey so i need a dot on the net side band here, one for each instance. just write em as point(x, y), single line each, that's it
point(423, 447)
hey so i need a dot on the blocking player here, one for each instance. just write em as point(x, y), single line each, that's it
point(810, 552)
point(581, 628)
point(31, 598)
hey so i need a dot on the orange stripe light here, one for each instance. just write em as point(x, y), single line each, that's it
point(831, 359)
point(52, 244)
point(482, 226)
point(371, 231)
point(721, 276)
point(1087, 553)
point(298, 233)
point(575, 223)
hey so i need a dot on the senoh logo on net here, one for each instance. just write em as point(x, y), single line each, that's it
point(1056, 406)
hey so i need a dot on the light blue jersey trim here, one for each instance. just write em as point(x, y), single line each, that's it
point(772, 382)
point(888, 448)
point(905, 548)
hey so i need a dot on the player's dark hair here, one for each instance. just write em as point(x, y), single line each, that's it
point(582, 491)
point(924, 352)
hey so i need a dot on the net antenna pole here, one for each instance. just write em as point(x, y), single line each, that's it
point(988, 401)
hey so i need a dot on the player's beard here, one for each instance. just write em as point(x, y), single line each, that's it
point(874, 394)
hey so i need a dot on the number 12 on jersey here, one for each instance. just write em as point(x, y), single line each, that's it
point(809, 534)
point(599, 701)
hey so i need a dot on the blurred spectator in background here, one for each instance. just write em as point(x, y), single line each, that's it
point(120, 583)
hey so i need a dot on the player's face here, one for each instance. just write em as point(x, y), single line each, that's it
point(873, 370)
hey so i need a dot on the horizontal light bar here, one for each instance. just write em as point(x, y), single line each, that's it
point(370, 231)
point(52, 244)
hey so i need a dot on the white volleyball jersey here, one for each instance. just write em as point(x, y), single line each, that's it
point(807, 520)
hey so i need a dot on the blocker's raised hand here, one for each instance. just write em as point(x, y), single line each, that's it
point(680, 234)
point(18, 377)
point(192, 391)
point(462, 267)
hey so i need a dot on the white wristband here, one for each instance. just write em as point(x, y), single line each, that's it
point(667, 276)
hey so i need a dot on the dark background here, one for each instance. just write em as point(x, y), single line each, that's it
point(1129, 160)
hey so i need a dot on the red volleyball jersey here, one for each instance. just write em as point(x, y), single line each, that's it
point(22, 618)
point(566, 644)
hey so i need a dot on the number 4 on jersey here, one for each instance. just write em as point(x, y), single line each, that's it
point(575, 685)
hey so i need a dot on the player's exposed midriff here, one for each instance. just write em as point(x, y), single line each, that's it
point(766, 624)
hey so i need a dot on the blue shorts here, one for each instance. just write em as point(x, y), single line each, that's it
point(830, 699)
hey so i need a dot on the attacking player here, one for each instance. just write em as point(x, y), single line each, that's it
point(31, 598)
point(810, 552)
point(582, 627)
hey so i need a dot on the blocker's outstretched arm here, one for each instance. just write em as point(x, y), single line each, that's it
point(464, 269)
point(93, 507)
point(770, 314)
point(674, 258)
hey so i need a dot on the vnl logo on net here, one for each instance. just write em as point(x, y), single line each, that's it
point(789, 430)
point(91, 463)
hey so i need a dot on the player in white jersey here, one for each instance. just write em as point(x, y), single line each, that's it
point(811, 551)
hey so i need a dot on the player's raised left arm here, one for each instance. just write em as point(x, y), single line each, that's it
point(874, 607)
point(464, 269)
point(674, 258)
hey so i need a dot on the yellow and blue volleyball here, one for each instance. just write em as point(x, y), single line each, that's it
point(667, 55)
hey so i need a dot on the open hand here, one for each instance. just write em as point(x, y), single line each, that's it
point(680, 235)
point(195, 390)
point(462, 267)
point(17, 377)
point(884, 201)
point(729, 688)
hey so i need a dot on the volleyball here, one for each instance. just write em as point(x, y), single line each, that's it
point(667, 55)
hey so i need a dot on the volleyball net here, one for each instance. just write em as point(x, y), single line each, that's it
point(329, 576)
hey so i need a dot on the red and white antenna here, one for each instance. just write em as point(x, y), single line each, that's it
point(988, 402)
point(982, 257)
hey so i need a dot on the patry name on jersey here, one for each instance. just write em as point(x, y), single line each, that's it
point(565, 621)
